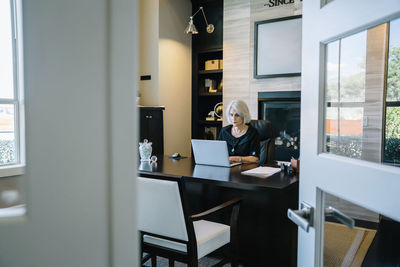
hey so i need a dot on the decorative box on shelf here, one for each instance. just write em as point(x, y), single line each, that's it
point(212, 64)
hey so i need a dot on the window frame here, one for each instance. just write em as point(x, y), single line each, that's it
point(17, 168)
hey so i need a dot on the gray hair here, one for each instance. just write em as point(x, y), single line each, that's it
point(240, 108)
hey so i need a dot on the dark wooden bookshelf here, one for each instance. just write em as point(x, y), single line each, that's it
point(210, 94)
point(206, 72)
point(205, 47)
point(206, 122)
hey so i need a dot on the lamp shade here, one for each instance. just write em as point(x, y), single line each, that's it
point(191, 28)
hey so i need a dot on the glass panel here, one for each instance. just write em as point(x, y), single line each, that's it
point(352, 68)
point(393, 76)
point(391, 153)
point(350, 132)
point(6, 52)
point(332, 72)
point(392, 138)
point(285, 116)
point(372, 242)
point(332, 129)
point(7, 135)
point(355, 77)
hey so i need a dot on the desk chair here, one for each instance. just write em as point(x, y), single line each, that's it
point(167, 230)
point(267, 139)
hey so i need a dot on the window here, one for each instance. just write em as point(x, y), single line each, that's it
point(392, 108)
point(11, 91)
point(345, 96)
point(362, 95)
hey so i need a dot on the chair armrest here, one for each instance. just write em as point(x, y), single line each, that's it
point(232, 202)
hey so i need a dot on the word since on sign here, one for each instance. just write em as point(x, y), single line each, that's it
point(275, 3)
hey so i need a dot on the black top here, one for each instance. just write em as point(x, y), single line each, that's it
point(245, 145)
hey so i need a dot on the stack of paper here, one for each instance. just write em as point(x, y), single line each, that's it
point(262, 172)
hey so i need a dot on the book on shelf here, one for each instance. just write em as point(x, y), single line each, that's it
point(210, 85)
point(210, 133)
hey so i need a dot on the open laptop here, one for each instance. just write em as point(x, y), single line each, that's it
point(211, 152)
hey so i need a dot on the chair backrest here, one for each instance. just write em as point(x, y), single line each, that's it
point(160, 209)
point(267, 139)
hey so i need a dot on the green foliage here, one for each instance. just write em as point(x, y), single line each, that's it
point(393, 77)
point(7, 152)
point(392, 150)
point(352, 88)
point(393, 122)
point(348, 146)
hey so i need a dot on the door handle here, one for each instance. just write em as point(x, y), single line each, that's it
point(340, 216)
point(304, 217)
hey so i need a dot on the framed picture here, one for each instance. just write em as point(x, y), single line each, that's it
point(277, 47)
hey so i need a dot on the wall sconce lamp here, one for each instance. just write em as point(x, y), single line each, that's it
point(192, 29)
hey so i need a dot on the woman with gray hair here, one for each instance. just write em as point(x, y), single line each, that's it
point(242, 139)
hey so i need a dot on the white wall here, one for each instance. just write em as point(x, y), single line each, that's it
point(74, 75)
point(148, 47)
point(165, 53)
point(175, 75)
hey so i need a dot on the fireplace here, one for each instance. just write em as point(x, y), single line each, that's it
point(283, 110)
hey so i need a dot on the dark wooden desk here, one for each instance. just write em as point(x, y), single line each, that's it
point(266, 236)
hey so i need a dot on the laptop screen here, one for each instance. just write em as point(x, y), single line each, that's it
point(211, 152)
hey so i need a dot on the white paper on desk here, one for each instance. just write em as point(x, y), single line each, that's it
point(262, 172)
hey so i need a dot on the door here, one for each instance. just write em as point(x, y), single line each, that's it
point(370, 184)
point(79, 180)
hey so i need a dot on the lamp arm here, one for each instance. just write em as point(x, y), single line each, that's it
point(197, 12)
point(204, 15)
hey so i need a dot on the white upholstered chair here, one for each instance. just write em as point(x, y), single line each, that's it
point(167, 230)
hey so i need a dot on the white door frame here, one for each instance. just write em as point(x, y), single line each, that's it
point(123, 125)
point(370, 185)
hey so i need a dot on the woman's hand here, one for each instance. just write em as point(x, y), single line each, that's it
point(235, 159)
point(248, 159)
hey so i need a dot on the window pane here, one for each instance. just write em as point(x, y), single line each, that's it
point(393, 76)
point(392, 140)
point(332, 72)
point(352, 67)
point(351, 132)
point(7, 135)
point(6, 53)
point(354, 87)
point(332, 129)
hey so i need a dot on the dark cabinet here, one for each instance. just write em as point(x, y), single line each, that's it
point(152, 128)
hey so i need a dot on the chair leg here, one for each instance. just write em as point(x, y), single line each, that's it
point(153, 261)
